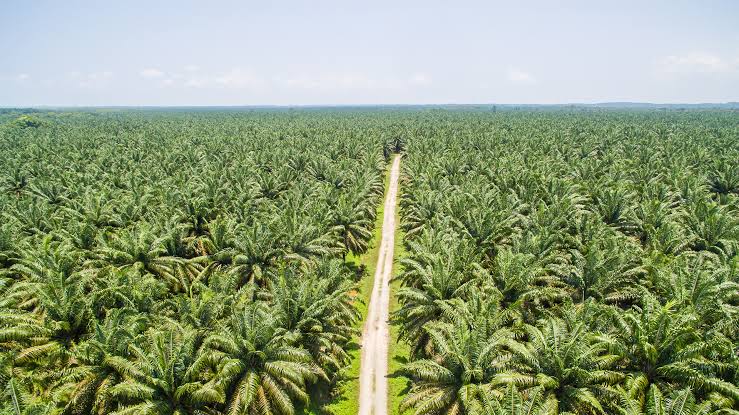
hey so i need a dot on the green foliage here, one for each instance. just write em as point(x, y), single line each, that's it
point(192, 262)
point(180, 263)
point(26, 121)
point(607, 242)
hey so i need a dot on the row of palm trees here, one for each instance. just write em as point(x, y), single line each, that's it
point(581, 263)
point(196, 262)
point(182, 263)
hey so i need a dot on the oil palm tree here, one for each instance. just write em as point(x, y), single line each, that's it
point(314, 302)
point(606, 269)
point(489, 228)
point(49, 312)
point(513, 402)
point(353, 225)
point(613, 204)
point(302, 236)
point(701, 283)
point(572, 370)
point(431, 282)
point(8, 250)
point(256, 366)
point(724, 178)
point(141, 250)
point(103, 362)
point(18, 400)
point(419, 209)
point(157, 380)
point(525, 283)
point(712, 227)
point(456, 378)
point(662, 345)
point(256, 250)
point(678, 402)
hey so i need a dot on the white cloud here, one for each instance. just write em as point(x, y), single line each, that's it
point(247, 79)
point(196, 82)
point(151, 73)
point(192, 68)
point(235, 78)
point(340, 82)
point(352, 81)
point(92, 79)
point(301, 81)
point(100, 76)
point(238, 78)
point(697, 62)
point(420, 78)
point(520, 77)
point(23, 77)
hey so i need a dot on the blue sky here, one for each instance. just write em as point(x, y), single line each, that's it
point(348, 52)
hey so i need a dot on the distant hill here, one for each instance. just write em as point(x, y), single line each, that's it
point(452, 107)
point(648, 105)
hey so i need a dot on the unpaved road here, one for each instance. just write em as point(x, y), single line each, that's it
point(376, 334)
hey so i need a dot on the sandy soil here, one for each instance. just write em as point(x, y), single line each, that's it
point(376, 333)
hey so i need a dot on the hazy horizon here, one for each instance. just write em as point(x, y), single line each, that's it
point(615, 104)
point(330, 53)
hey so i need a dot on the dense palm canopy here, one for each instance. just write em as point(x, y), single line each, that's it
point(257, 364)
point(578, 262)
point(181, 263)
point(608, 242)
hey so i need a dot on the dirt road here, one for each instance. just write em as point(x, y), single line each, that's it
point(376, 334)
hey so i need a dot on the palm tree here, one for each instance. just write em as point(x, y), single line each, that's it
point(678, 402)
point(724, 178)
point(256, 366)
point(273, 184)
point(606, 269)
point(662, 346)
point(141, 250)
point(256, 250)
point(35, 218)
point(712, 227)
point(456, 378)
point(431, 282)
point(613, 205)
point(158, 380)
point(353, 225)
point(513, 402)
point(218, 242)
point(572, 370)
point(16, 182)
point(314, 302)
point(18, 400)
point(197, 211)
point(94, 208)
point(419, 210)
point(82, 236)
point(701, 283)
point(103, 362)
point(200, 313)
point(52, 193)
point(525, 284)
point(49, 312)
point(8, 251)
point(653, 214)
point(489, 228)
point(301, 236)
point(41, 349)
point(669, 239)
point(561, 206)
